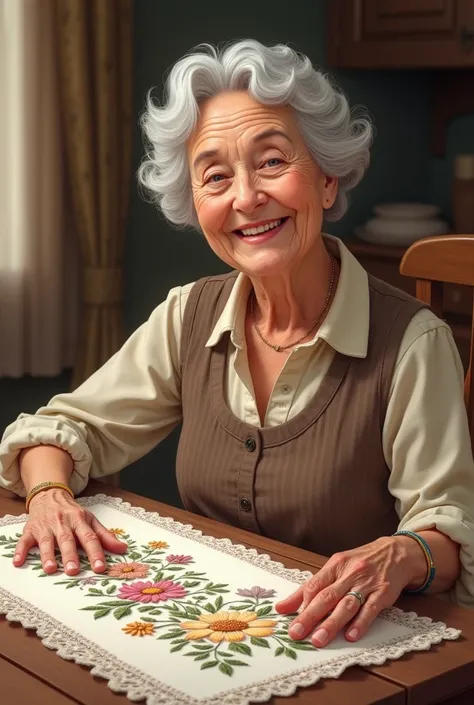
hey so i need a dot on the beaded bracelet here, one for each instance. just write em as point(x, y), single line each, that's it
point(46, 486)
point(429, 561)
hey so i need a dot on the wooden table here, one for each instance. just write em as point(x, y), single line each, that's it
point(31, 673)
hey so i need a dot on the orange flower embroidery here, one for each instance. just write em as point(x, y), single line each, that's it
point(158, 544)
point(228, 626)
point(139, 629)
point(128, 571)
point(117, 532)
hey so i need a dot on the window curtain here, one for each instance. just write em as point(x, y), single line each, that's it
point(38, 257)
point(95, 60)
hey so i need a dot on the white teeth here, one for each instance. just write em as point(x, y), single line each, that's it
point(262, 228)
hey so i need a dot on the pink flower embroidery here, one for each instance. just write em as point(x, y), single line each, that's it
point(179, 559)
point(128, 571)
point(256, 592)
point(152, 592)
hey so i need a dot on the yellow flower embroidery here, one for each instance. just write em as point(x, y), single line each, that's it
point(139, 629)
point(117, 532)
point(228, 626)
point(158, 544)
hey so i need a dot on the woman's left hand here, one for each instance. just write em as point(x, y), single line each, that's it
point(377, 571)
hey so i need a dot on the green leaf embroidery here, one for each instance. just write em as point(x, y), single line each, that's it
point(104, 583)
point(219, 602)
point(201, 657)
point(91, 608)
point(209, 664)
point(290, 653)
point(178, 647)
point(304, 646)
point(111, 589)
point(101, 613)
point(240, 648)
point(94, 591)
point(258, 641)
point(122, 612)
point(202, 647)
point(190, 584)
point(149, 619)
point(168, 636)
point(155, 611)
point(159, 575)
point(75, 583)
point(226, 669)
point(279, 651)
point(264, 611)
point(209, 607)
point(146, 608)
point(236, 662)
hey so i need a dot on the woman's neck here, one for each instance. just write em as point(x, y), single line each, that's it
point(289, 304)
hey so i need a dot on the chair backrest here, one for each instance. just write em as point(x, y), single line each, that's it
point(434, 261)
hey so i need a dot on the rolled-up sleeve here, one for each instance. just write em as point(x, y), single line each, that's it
point(116, 416)
point(427, 443)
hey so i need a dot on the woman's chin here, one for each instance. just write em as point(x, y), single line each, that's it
point(268, 266)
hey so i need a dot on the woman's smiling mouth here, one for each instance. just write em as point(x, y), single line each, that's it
point(258, 233)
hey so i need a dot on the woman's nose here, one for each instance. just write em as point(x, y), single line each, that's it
point(247, 195)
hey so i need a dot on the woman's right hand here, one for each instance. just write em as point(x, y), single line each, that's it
point(57, 520)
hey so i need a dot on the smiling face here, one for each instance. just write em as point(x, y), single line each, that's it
point(258, 193)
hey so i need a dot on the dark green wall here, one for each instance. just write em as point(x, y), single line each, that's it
point(158, 257)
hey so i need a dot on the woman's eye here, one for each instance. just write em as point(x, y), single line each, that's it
point(215, 179)
point(274, 161)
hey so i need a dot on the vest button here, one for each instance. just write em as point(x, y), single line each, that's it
point(245, 504)
point(250, 444)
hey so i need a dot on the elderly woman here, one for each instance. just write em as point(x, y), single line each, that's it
point(319, 406)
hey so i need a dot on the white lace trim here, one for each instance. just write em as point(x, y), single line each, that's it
point(123, 678)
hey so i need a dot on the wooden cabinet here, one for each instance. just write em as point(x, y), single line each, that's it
point(401, 33)
point(384, 262)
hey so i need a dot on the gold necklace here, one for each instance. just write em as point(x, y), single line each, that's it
point(280, 348)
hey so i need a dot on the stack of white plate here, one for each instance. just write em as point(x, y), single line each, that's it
point(402, 223)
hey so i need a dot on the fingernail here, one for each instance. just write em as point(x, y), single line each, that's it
point(17, 557)
point(71, 566)
point(49, 564)
point(353, 634)
point(98, 565)
point(320, 636)
point(296, 631)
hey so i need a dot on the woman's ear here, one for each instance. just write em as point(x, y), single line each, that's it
point(330, 191)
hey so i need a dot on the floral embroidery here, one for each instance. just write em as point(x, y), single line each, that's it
point(152, 592)
point(179, 604)
point(128, 571)
point(229, 626)
point(139, 629)
point(118, 532)
point(256, 592)
point(158, 544)
point(183, 560)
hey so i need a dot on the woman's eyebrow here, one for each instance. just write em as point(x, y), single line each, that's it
point(272, 132)
point(202, 156)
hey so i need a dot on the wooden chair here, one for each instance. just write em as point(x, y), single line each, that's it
point(433, 262)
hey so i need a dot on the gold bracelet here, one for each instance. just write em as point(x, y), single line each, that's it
point(46, 486)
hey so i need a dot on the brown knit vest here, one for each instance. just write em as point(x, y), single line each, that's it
point(318, 481)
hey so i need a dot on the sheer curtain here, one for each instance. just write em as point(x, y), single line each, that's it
point(38, 255)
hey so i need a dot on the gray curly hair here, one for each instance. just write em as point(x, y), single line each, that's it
point(338, 139)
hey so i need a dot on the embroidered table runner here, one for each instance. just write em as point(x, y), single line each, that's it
point(186, 619)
